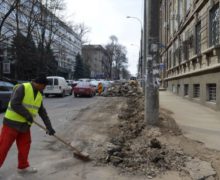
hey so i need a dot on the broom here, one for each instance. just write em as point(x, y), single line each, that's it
point(76, 153)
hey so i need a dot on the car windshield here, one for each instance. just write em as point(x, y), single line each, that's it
point(83, 84)
point(50, 81)
point(55, 82)
point(84, 80)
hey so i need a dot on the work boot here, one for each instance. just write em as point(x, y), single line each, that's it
point(27, 170)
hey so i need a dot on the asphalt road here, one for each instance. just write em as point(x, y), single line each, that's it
point(60, 111)
point(86, 122)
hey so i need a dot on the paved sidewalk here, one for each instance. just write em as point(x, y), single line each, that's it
point(196, 121)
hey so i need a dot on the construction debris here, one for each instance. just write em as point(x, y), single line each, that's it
point(125, 89)
point(135, 148)
point(199, 169)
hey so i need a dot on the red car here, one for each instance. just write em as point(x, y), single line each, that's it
point(84, 89)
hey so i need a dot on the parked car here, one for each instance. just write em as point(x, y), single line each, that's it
point(6, 89)
point(72, 83)
point(69, 82)
point(57, 86)
point(84, 80)
point(95, 83)
point(84, 89)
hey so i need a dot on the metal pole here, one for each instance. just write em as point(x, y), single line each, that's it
point(141, 47)
point(151, 32)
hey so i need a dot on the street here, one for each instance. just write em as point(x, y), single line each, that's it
point(60, 111)
point(86, 123)
point(93, 125)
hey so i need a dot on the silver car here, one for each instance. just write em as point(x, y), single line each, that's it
point(6, 89)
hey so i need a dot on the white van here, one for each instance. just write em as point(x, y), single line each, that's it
point(57, 86)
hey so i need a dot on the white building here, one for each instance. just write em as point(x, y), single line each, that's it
point(65, 43)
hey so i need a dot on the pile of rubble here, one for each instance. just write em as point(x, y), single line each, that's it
point(135, 148)
point(125, 89)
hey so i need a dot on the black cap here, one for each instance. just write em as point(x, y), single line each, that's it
point(42, 79)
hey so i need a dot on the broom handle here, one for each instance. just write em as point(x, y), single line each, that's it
point(57, 137)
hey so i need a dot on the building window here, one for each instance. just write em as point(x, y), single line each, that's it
point(173, 88)
point(214, 25)
point(186, 89)
point(185, 50)
point(188, 3)
point(180, 9)
point(6, 68)
point(198, 38)
point(211, 92)
point(178, 88)
point(174, 58)
point(169, 59)
point(196, 90)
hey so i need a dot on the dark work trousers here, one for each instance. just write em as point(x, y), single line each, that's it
point(23, 140)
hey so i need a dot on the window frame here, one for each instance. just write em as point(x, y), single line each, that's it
point(196, 90)
point(198, 29)
point(212, 11)
point(210, 97)
point(186, 90)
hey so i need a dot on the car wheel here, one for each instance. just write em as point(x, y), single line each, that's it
point(75, 95)
point(71, 93)
point(63, 94)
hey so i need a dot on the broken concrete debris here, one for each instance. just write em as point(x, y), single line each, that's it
point(125, 89)
point(199, 169)
point(136, 148)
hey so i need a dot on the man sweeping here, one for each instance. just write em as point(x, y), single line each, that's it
point(26, 102)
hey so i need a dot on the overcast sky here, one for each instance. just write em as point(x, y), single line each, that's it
point(108, 17)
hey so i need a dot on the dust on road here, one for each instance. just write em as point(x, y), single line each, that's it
point(122, 147)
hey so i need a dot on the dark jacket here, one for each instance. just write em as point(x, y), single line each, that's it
point(16, 105)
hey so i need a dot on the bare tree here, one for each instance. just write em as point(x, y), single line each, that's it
point(9, 7)
point(116, 58)
point(120, 59)
point(82, 31)
point(110, 49)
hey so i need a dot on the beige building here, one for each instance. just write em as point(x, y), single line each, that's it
point(191, 54)
point(96, 57)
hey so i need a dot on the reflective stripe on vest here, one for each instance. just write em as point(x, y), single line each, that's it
point(31, 104)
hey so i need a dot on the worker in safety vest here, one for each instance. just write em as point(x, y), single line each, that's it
point(25, 103)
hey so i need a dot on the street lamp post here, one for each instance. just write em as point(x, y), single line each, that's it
point(136, 19)
point(141, 49)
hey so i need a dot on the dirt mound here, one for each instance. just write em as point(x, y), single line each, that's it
point(136, 148)
point(125, 89)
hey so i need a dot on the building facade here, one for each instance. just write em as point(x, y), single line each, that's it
point(64, 42)
point(95, 57)
point(66, 46)
point(190, 34)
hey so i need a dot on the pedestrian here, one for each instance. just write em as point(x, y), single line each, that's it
point(25, 103)
point(100, 88)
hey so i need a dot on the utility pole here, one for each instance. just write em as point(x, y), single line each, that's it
point(151, 59)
